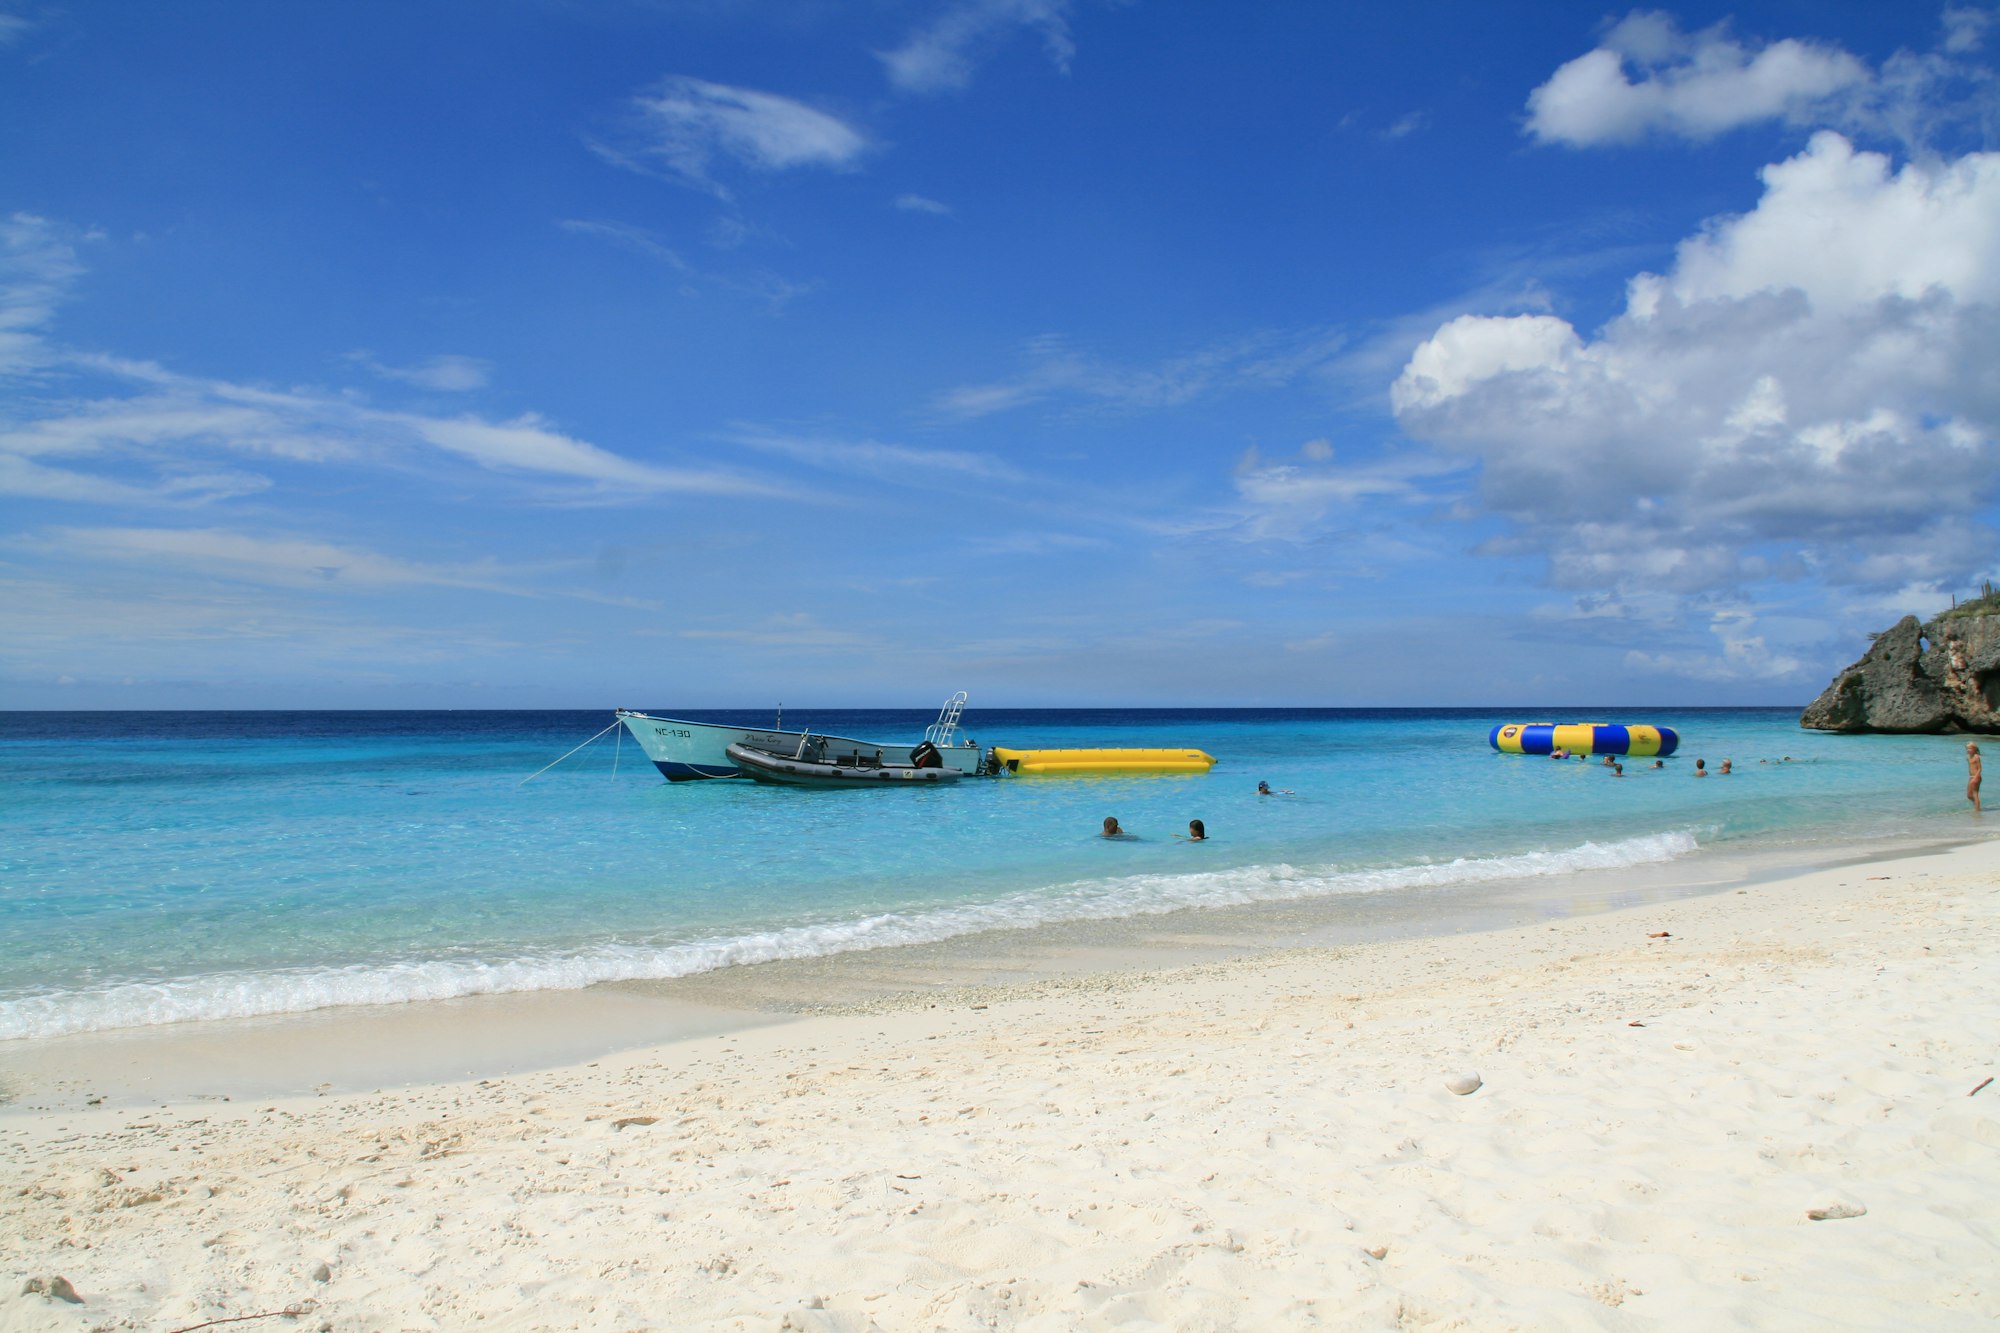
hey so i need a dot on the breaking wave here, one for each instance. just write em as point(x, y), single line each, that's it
point(299, 990)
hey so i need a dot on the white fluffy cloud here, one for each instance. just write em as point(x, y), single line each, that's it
point(1845, 230)
point(1695, 86)
point(1647, 78)
point(1810, 391)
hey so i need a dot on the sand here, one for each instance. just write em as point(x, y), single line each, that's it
point(1668, 1094)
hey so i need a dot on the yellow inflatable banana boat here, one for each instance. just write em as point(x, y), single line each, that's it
point(1102, 761)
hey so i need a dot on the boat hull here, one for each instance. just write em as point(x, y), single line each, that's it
point(687, 751)
point(784, 771)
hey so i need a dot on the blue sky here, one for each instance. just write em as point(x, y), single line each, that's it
point(705, 354)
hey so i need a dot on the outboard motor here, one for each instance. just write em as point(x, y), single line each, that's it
point(926, 756)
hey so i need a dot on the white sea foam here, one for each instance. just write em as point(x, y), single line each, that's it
point(253, 994)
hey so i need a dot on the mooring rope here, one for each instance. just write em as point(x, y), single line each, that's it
point(558, 759)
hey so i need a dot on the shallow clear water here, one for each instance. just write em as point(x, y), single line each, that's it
point(169, 866)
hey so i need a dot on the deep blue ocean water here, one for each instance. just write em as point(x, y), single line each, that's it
point(161, 867)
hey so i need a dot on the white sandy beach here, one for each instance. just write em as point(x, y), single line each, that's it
point(1262, 1143)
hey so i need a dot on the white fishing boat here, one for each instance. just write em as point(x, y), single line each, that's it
point(685, 751)
point(808, 767)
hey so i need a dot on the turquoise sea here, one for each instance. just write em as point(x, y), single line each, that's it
point(163, 867)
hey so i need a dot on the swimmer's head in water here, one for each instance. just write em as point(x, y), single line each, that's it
point(1264, 789)
point(1197, 830)
point(1111, 825)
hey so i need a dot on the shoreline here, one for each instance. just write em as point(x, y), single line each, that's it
point(354, 1048)
point(1223, 1143)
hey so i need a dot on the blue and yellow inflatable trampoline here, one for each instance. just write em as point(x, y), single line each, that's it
point(1584, 738)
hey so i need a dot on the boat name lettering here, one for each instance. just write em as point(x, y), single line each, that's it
point(675, 731)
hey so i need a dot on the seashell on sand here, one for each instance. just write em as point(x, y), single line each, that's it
point(1463, 1083)
point(1837, 1210)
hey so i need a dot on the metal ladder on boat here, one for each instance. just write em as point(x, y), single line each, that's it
point(939, 733)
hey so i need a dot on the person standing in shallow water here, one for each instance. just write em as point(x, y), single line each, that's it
point(1972, 767)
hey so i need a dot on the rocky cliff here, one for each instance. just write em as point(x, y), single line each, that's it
point(1938, 676)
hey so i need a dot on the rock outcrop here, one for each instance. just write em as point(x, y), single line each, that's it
point(1941, 675)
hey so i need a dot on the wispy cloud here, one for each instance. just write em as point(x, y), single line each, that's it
point(1406, 125)
point(1965, 29)
point(917, 203)
point(941, 55)
point(142, 433)
point(1034, 543)
point(26, 478)
point(795, 632)
point(125, 618)
point(160, 435)
point(37, 265)
point(151, 420)
point(209, 620)
point(636, 239)
point(1058, 370)
point(685, 125)
point(291, 561)
point(445, 374)
point(527, 444)
point(894, 462)
point(269, 560)
point(1278, 578)
point(774, 291)
point(1288, 499)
